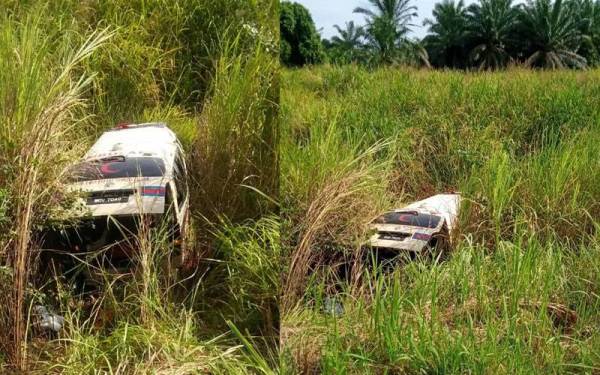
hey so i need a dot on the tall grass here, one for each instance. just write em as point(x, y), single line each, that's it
point(474, 314)
point(40, 101)
point(514, 296)
point(335, 205)
point(234, 158)
point(187, 63)
point(253, 264)
point(138, 324)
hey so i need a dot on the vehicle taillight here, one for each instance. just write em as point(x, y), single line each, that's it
point(123, 125)
point(153, 191)
point(421, 236)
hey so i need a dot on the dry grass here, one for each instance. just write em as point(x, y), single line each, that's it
point(40, 101)
point(339, 202)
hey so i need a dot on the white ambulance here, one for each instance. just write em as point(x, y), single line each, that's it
point(131, 170)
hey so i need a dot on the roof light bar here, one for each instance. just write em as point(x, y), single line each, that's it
point(129, 125)
point(123, 125)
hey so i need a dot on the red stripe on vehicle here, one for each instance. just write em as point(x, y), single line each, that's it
point(421, 236)
point(153, 190)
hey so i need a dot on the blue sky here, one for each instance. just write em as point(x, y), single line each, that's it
point(327, 13)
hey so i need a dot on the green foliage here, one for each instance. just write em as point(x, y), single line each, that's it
point(348, 47)
point(234, 159)
point(39, 99)
point(514, 294)
point(471, 314)
point(138, 325)
point(589, 12)
point(300, 42)
point(447, 34)
point(491, 24)
point(554, 37)
point(488, 34)
point(388, 25)
point(161, 51)
point(4, 207)
point(251, 256)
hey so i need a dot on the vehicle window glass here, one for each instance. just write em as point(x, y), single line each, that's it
point(118, 168)
point(179, 175)
point(415, 220)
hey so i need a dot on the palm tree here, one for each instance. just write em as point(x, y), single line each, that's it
point(553, 34)
point(413, 53)
point(588, 11)
point(348, 44)
point(491, 25)
point(388, 23)
point(399, 12)
point(447, 34)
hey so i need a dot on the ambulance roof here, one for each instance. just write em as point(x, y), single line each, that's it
point(444, 205)
point(136, 140)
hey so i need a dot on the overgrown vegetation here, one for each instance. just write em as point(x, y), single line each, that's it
point(300, 42)
point(71, 70)
point(519, 291)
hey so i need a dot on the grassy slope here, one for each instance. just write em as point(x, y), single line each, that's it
point(523, 148)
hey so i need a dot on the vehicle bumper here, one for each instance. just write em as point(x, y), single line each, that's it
point(114, 234)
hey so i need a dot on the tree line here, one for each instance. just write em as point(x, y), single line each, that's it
point(489, 34)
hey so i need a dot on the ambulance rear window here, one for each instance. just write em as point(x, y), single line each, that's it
point(414, 219)
point(118, 167)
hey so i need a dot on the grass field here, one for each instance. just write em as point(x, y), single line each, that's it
point(285, 174)
point(69, 71)
point(520, 291)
